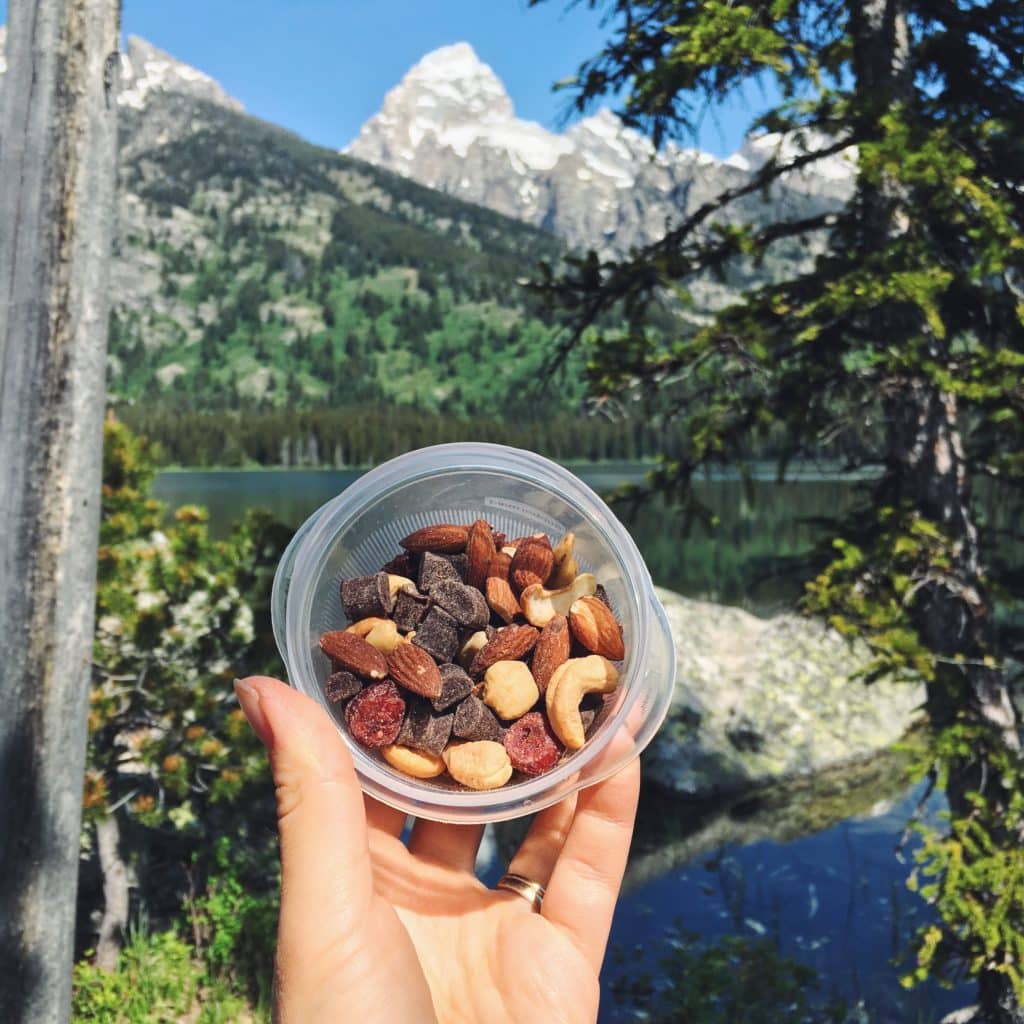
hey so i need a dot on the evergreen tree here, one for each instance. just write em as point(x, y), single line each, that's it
point(901, 345)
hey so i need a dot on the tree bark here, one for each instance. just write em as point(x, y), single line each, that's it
point(115, 894)
point(58, 148)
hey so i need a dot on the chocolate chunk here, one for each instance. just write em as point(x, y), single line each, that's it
point(410, 607)
point(466, 605)
point(424, 728)
point(455, 685)
point(342, 685)
point(474, 720)
point(403, 564)
point(366, 596)
point(434, 569)
point(438, 635)
point(460, 563)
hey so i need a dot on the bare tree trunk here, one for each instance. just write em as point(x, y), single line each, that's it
point(115, 894)
point(58, 149)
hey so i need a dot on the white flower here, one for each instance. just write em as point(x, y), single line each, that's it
point(111, 624)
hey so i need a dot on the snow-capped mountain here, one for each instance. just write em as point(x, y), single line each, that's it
point(450, 124)
point(145, 70)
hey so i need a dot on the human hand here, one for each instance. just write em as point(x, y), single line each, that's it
point(371, 930)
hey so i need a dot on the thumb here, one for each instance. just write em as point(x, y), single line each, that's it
point(325, 862)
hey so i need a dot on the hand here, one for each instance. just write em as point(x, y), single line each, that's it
point(373, 931)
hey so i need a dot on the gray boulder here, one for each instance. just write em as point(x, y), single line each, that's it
point(759, 701)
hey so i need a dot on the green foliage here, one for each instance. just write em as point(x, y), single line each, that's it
point(972, 871)
point(173, 628)
point(731, 979)
point(157, 980)
point(235, 920)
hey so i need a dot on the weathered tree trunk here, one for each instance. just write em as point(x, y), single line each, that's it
point(57, 165)
point(115, 894)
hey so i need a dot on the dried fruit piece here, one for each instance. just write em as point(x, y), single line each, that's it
point(410, 666)
point(565, 569)
point(410, 607)
point(501, 599)
point(480, 765)
point(379, 633)
point(424, 728)
point(436, 569)
point(466, 605)
point(540, 606)
point(531, 564)
point(552, 651)
point(570, 683)
point(594, 625)
point(509, 690)
point(366, 597)
point(417, 763)
point(341, 686)
point(474, 720)
point(437, 634)
point(480, 550)
point(455, 686)
point(510, 644)
point(532, 746)
point(444, 538)
point(374, 715)
point(353, 653)
point(499, 566)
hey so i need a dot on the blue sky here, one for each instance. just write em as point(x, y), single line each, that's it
point(321, 67)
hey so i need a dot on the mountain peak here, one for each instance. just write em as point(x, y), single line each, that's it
point(146, 70)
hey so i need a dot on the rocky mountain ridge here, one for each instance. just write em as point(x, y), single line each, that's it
point(451, 125)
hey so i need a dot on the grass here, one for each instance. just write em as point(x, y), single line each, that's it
point(158, 980)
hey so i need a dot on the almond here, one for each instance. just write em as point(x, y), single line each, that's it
point(353, 653)
point(501, 599)
point(480, 550)
point(442, 538)
point(594, 625)
point(552, 650)
point(500, 562)
point(532, 563)
point(510, 644)
point(411, 667)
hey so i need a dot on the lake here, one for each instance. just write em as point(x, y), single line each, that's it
point(830, 887)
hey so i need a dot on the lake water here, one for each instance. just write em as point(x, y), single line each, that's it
point(830, 889)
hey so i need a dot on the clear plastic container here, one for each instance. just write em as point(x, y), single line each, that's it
point(519, 493)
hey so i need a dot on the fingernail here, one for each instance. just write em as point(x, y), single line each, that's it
point(249, 699)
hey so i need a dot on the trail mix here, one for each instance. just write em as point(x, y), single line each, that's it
point(474, 655)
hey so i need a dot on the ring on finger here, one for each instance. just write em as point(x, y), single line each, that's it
point(532, 892)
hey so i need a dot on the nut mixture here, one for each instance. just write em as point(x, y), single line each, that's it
point(475, 655)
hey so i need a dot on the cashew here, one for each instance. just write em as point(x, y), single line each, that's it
point(540, 605)
point(468, 650)
point(397, 583)
point(482, 764)
point(417, 763)
point(565, 569)
point(509, 689)
point(380, 633)
point(569, 684)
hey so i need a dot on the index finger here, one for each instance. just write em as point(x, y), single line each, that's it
point(585, 884)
